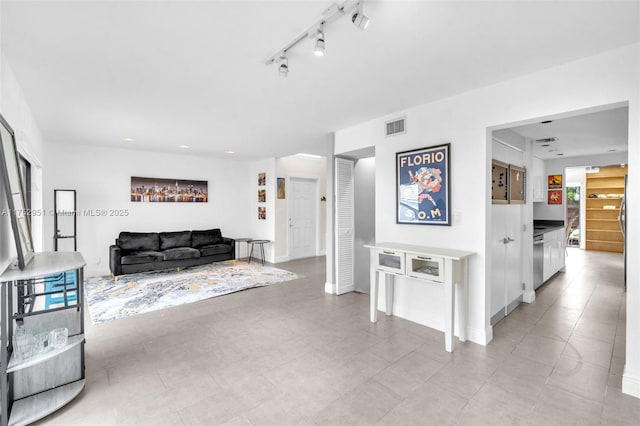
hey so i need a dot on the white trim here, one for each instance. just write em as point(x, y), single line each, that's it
point(529, 296)
point(322, 253)
point(280, 259)
point(479, 336)
point(330, 288)
point(347, 289)
point(630, 384)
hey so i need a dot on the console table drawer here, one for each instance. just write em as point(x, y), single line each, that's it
point(425, 267)
point(390, 261)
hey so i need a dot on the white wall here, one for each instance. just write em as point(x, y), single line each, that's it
point(294, 166)
point(544, 211)
point(364, 173)
point(16, 111)
point(102, 179)
point(255, 228)
point(465, 120)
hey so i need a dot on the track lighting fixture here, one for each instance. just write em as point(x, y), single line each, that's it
point(283, 69)
point(319, 49)
point(359, 19)
point(316, 31)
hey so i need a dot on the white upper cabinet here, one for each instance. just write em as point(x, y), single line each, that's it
point(538, 180)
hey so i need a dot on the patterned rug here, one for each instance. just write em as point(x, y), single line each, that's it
point(135, 294)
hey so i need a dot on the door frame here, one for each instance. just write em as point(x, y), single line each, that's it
point(317, 224)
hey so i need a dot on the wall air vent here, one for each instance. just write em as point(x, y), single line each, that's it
point(395, 127)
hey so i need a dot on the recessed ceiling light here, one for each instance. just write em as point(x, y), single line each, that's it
point(184, 146)
point(127, 139)
point(229, 152)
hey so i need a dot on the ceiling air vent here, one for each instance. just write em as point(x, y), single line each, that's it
point(546, 141)
point(395, 127)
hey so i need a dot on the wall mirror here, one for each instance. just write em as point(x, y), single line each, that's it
point(15, 198)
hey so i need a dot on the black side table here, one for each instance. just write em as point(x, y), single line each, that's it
point(261, 243)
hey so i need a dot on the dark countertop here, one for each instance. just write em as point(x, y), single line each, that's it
point(543, 226)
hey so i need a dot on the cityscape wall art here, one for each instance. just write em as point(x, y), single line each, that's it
point(154, 190)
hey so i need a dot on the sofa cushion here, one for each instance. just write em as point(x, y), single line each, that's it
point(145, 256)
point(137, 241)
point(181, 253)
point(206, 238)
point(215, 249)
point(169, 240)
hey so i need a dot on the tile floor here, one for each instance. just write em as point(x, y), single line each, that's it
point(289, 354)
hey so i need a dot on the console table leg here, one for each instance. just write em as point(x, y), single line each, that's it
point(373, 296)
point(389, 284)
point(449, 305)
point(463, 300)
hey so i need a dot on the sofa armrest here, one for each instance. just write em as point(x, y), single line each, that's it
point(232, 243)
point(115, 260)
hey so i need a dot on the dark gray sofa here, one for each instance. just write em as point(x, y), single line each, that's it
point(151, 251)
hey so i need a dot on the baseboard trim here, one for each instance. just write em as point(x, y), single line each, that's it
point(322, 253)
point(480, 336)
point(630, 384)
point(529, 296)
point(280, 259)
point(329, 288)
point(347, 289)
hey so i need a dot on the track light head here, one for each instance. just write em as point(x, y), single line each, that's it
point(360, 20)
point(319, 49)
point(283, 68)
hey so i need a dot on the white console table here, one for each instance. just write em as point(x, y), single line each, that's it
point(442, 266)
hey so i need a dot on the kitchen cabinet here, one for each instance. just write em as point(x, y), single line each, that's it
point(553, 253)
point(538, 180)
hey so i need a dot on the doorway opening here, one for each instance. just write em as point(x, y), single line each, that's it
point(573, 218)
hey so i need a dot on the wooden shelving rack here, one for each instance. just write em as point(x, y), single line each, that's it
point(604, 196)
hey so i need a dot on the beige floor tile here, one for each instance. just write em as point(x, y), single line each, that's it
point(580, 378)
point(429, 405)
point(620, 409)
point(405, 375)
point(557, 407)
point(366, 404)
point(496, 406)
point(589, 351)
point(540, 349)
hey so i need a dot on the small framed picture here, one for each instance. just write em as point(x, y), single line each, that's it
point(281, 189)
point(554, 181)
point(555, 196)
point(262, 179)
point(262, 195)
point(262, 213)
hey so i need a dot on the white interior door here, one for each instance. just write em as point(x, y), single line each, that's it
point(344, 225)
point(302, 218)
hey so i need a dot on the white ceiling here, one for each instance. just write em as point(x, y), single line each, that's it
point(586, 134)
point(180, 72)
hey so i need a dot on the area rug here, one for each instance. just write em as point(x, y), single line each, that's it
point(136, 294)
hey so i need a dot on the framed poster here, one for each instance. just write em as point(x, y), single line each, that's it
point(262, 213)
point(262, 195)
point(555, 196)
point(281, 189)
point(555, 181)
point(422, 179)
point(262, 179)
point(162, 190)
